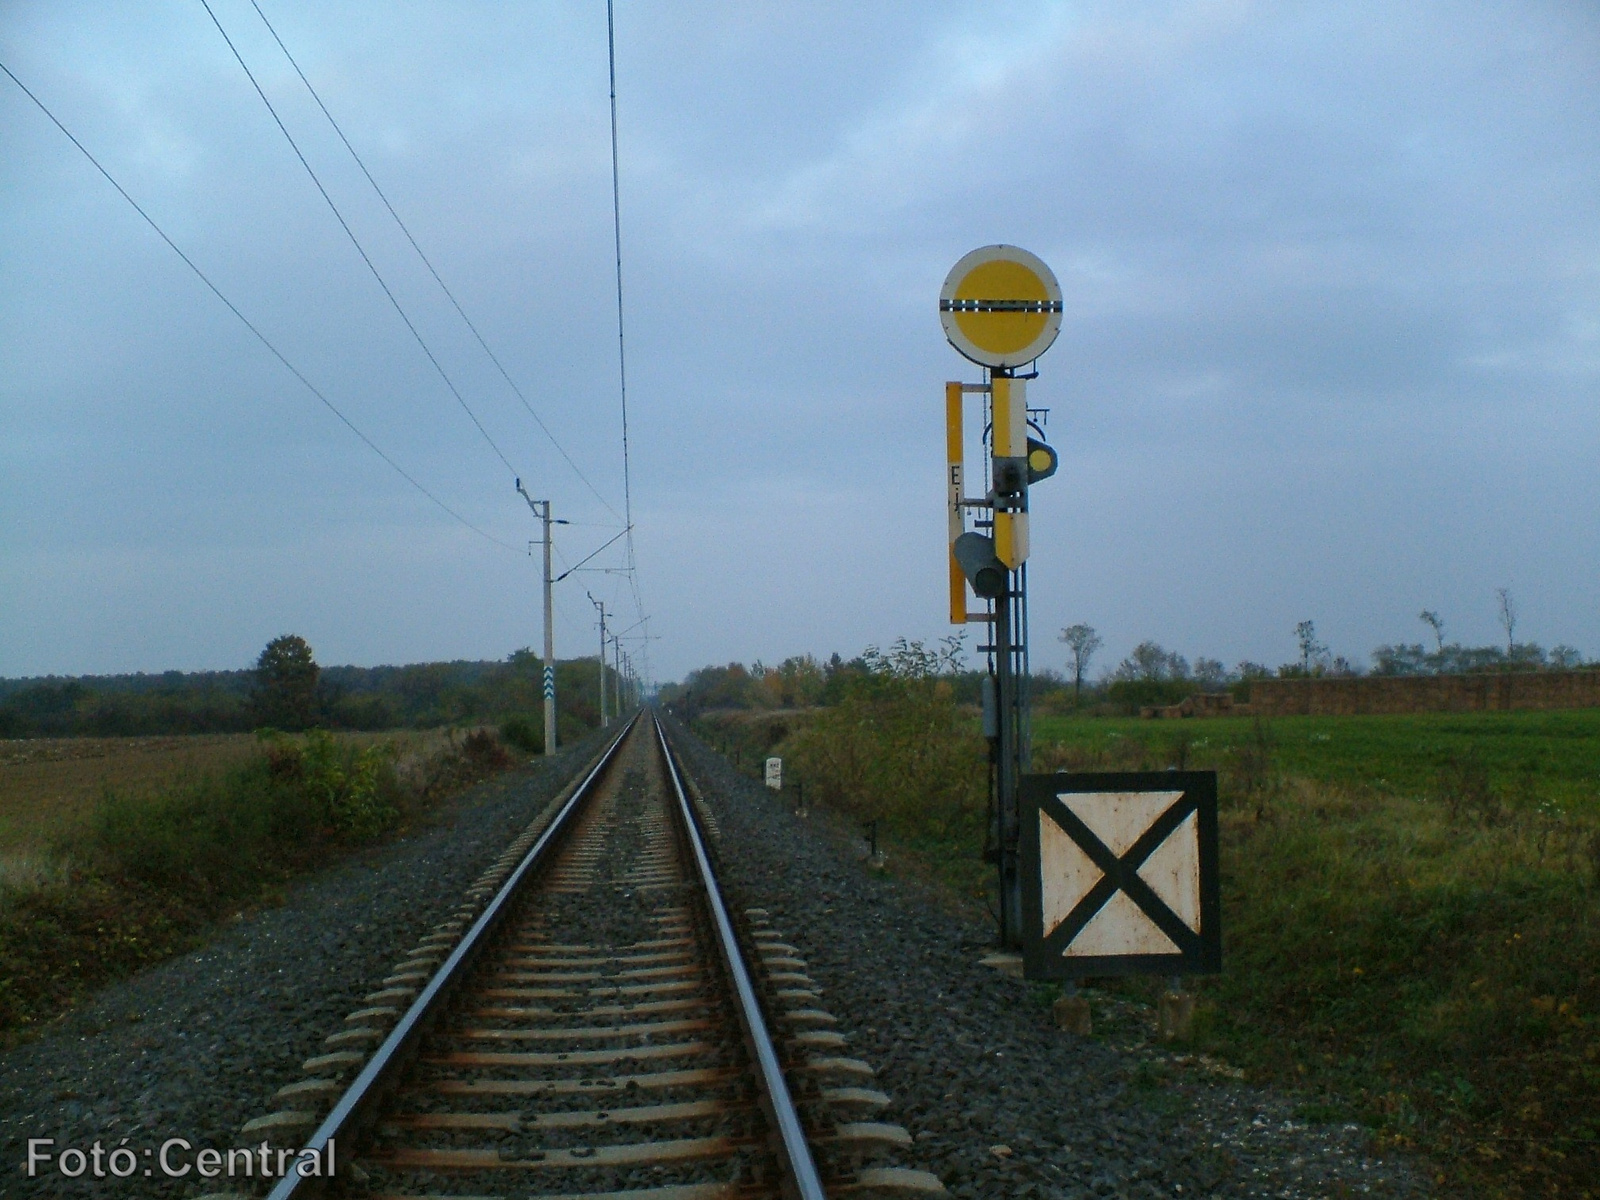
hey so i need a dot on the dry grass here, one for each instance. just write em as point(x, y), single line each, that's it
point(50, 786)
point(119, 852)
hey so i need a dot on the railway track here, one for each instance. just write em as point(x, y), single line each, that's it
point(607, 1027)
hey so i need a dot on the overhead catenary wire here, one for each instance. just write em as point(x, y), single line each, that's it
point(616, 232)
point(427, 262)
point(356, 242)
point(622, 348)
point(249, 324)
point(627, 529)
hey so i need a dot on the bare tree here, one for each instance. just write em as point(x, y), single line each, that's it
point(1082, 641)
point(1311, 650)
point(1508, 617)
point(1436, 623)
point(1152, 662)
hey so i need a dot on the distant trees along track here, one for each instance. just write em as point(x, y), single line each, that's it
point(595, 1022)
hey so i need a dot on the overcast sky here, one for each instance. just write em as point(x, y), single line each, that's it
point(1330, 348)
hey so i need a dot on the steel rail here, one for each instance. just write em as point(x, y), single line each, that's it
point(393, 1055)
point(802, 1167)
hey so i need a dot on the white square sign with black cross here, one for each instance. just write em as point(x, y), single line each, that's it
point(1119, 874)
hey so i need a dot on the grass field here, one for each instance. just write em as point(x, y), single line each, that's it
point(117, 852)
point(49, 787)
point(1411, 919)
point(1545, 756)
point(1411, 924)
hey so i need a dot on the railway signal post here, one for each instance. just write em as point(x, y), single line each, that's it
point(1104, 873)
point(1000, 308)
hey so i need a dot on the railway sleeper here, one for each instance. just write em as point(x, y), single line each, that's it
point(594, 1067)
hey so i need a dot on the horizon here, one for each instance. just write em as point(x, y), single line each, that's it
point(1099, 675)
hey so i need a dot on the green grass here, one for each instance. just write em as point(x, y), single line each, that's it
point(1555, 753)
point(1430, 974)
point(1411, 922)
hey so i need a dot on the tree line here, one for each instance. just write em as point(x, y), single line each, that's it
point(288, 690)
point(1152, 674)
point(1149, 674)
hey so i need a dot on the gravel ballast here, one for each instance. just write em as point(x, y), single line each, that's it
point(1001, 1102)
point(196, 1047)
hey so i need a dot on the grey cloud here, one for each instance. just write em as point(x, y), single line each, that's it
point(1321, 265)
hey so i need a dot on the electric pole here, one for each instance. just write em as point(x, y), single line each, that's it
point(600, 604)
point(616, 658)
point(541, 509)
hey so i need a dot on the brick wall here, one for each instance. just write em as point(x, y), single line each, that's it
point(1426, 693)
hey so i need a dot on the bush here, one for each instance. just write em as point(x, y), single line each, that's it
point(483, 750)
point(896, 747)
point(355, 791)
point(210, 838)
point(1137, 692)
point(153, 867)
point(522, 734)
point(478, 756)
point(213, 837)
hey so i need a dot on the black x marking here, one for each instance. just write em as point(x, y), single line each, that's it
point(1122, 874)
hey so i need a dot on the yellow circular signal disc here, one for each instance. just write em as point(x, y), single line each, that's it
point(1001, 306)
point(1039, 460)
point(1002, 332)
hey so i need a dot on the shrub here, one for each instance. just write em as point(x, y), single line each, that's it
point(477, 756)
point(897, 747)
point(209, 838)
point(483, 750)
point(1465, 789)
point(1133, 693)
point(154, 866)
point(522, 734)
point(355, 791)
point(213, 837)
point(1251, 775)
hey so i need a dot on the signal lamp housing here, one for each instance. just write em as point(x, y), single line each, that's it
point(978, 562)
point(1042, 460)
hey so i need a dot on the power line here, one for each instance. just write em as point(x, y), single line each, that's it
point(248, 324)
point(504, 374)
point(616, 230)
point(622, 353)
point(357, 243)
